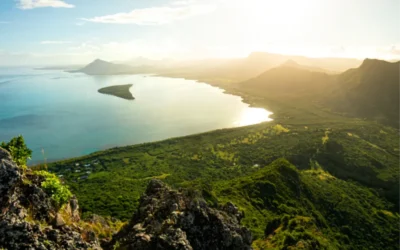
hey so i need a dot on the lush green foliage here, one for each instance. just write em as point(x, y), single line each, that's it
point(60, 193)
point(18, 150)
point(370, 91)
point(312, 179)
point(310, 208)
point(344, 184)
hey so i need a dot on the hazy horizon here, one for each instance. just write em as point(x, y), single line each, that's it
point(177, 60)
point(65, 32)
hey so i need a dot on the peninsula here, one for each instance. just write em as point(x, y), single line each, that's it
point(121, 91)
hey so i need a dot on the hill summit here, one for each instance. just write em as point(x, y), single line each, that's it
point(371, 90)
point(101, 67)
point(290, 78)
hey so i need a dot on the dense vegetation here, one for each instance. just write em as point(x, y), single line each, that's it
point(311, 209)
point(18, 150)
point(343, 190)
point(370, 91)
point(312, 179)
point(51, 184)
point(58, 192)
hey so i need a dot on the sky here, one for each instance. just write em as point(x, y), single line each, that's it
point(55, 32)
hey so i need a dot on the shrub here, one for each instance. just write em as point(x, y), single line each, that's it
point(59, 193)
point(20, 153)
point(289, 240)
point(272, 225)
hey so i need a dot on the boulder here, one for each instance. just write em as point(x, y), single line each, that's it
point(170, 219)
point(28, 218)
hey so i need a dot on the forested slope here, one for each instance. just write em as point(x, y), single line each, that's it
point(342, 178)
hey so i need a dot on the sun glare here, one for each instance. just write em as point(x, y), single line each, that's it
point(253, 116)
point(266, 25)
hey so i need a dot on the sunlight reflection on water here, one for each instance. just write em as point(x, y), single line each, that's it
point(253, 116)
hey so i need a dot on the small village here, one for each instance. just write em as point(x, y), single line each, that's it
point(80, 171)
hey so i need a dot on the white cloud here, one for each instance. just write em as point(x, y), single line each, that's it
point(55, 42)
point(31, 4)
point(155, 15)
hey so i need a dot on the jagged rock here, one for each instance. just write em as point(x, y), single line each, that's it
point(72, 210)
point(27, 213)
point(169, 219)
point(165, 219)
point(59, 221)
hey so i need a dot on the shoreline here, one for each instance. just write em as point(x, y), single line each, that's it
point(223, 89)
point(246, 97)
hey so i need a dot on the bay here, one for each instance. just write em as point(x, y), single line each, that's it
point(61, 115)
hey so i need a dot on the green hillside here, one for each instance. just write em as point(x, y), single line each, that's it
point(342, 172)
point(310, 209)
point(317, 177)
point(290, 81)
point(372, 91)
point(369, 91)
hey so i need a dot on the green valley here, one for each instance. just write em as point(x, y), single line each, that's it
point(351, 166)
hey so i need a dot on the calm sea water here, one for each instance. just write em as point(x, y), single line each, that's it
point(63, 115)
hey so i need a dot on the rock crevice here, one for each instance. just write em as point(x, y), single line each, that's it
point(170, 219)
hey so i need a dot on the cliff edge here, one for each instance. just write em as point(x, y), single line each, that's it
point(35, 215)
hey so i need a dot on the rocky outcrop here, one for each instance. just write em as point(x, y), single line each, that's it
point(169, 219)
point(28, 218)
point(166, 219)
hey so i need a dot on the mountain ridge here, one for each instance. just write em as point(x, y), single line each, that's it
point(101, 67)
point(289, 78)
point(371, 90)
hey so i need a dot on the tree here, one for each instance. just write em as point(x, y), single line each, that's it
point(20, 153)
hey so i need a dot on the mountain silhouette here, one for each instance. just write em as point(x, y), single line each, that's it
point(101, 67)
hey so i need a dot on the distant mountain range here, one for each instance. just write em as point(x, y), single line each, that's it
point(100, 67)
point(290, 78)
point(368, 90)
point(270, 60)
point(371, 90)
point(227, 71)
point(217, 70)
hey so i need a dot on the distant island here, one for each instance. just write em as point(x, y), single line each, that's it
point(121, 91)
